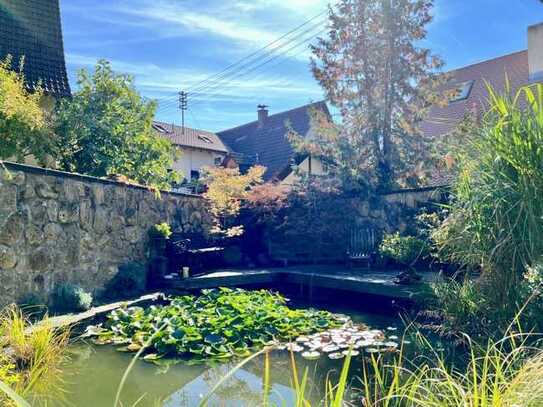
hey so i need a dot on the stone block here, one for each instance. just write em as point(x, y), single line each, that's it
point(12, 230)
point(8, 259)
point(68, 212)
point(34, 235)
point(8, 199)
point(45, 190)
point(40, 259)
point(52, 232)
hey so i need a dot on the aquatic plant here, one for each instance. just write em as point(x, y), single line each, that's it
point(219, 324)
point(31, 355)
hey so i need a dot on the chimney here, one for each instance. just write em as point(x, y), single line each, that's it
point(262, 114)
point(535, 52)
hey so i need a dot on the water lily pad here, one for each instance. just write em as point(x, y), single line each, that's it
point(351, 352)
point(330, 348)
point(372, 350)
point(336, 355)
point(312, 355)
point(134, 347)
point(391, 344)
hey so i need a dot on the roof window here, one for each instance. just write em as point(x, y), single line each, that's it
point(159, 128)
point(205, 139)
point(462, 91)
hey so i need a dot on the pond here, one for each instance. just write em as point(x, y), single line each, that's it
point(94, 372)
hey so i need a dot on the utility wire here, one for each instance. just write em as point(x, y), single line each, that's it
point(259, 50)
point(243, 62)
point(200, 100)
point(249, 64)
point(199, 96)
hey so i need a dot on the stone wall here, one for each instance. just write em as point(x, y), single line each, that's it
point(61, 227)
point(327, 237)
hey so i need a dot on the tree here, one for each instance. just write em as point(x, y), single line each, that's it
point(381, 83)
point(25, 129)
point(106, 129)
point(227, 190)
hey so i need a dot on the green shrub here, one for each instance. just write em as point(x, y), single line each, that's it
point(130, 281)
point(406, 250)
point(67, 297)
point(161, 230)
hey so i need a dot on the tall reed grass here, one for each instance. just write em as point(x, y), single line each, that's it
point(34, 352)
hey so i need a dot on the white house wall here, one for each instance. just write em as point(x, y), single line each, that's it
point(317, 168)
point(194, 159)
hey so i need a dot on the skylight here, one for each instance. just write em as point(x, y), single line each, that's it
point(205, 139)
point(462, 91)
point(159, 128)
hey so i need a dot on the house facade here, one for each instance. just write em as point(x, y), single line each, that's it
point(197, 149)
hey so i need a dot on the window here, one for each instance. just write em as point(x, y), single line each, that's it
point(159, 128)
point(205, 139)
point(194, 175)
point(218, 161)
point(462, 91)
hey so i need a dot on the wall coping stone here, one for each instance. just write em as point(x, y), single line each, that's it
point(88, 178)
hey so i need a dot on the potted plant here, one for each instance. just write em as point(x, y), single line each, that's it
point(159, 233)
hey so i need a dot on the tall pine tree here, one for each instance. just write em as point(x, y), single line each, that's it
point(381, 81)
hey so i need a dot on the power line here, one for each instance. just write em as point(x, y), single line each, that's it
point(205, 84)
point(259, 50)
point(200, 100)
point(249, 70)
point(250, 64)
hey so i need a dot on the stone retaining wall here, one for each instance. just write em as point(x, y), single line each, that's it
point(61, 227)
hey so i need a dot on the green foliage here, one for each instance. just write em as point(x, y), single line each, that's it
point(106, 129)
point(315, 220)
point(67, 297)
point(130, 281)
point(406, 250)
point(161, 230)
point(219, 324)
point(494, 221)
point(24, 126)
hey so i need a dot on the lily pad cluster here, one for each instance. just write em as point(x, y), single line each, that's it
point(218, 324)
point(337, 343)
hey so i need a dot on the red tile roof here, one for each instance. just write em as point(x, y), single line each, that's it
point(442, 120)
point(192, 138)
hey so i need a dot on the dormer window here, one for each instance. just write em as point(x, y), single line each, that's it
point(205, 139)
point(462, 91)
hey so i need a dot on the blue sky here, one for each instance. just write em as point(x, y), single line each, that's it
point(169, 45)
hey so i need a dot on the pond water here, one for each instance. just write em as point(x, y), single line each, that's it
point(94, 372)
